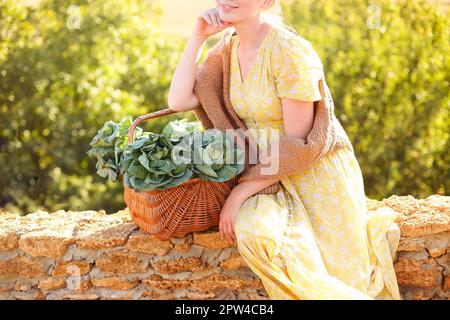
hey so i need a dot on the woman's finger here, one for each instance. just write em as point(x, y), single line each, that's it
point(224, 230)
point(207, 17)
point(217, 19)
point(228, 232)
point(212, 18)
point(221, 229)
point(233, 234)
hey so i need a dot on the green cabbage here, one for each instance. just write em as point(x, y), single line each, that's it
point(148, 164)
point(215, 156)
point(177, 129)
point(184, 150)
point(108, 145)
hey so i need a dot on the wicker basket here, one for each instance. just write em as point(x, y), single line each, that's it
point(194, 205)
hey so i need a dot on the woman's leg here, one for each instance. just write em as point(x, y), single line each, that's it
point(265, 231)
point(352, 242)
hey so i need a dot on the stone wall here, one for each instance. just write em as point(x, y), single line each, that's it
point(91, 255)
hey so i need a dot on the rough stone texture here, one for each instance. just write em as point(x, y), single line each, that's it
point(45, 243)
point(148, 243)
point(91, 255)
point(51, 283)
point(68, 268)
point(80, 296)
point(234, 261)
point(421, 217)
point(9, 239)
point(423, 257)
point(219, 281)
point(210, 239)
point(115, 283)
point(180, 265)
point(22, 266)
point(120, 262)
point(158, 282)
point(103, 232)
point(420, 273)
point(22, 285)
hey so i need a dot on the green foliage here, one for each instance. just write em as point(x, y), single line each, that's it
point(149, 165)
point(387, 64)
point(60, 83)
point(217, 160)
point(177, 129)
point(108, 145)
point(153, 161)
point(9, 14)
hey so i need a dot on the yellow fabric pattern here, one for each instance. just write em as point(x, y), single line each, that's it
point(313, 239)
point(296, 69)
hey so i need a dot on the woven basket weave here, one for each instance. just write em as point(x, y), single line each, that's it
point(194, 205)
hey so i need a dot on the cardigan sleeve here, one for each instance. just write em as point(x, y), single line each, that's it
point(296, 69)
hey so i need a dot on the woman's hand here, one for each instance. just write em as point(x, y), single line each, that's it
point(240, 193)
point(209, 23)
point(228, 218)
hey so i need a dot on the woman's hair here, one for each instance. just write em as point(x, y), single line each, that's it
point(274, 15)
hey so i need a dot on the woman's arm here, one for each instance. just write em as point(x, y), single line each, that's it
point(181, 93)
point(235, 200)
point(246, 189)
point(298, 117)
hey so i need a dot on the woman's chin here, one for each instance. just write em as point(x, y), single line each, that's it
point(224, 19)
point(224, 16)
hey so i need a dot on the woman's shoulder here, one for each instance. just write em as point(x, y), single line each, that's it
point(292, 46)
point(295, 67)
point(284, 36)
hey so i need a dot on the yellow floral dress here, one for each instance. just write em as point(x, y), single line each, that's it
point(314, 238)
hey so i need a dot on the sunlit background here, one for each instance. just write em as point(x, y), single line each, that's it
point(66, 67)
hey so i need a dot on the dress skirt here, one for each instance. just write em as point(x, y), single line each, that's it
point(315, 239)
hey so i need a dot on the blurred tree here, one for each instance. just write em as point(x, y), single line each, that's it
point(388, 67)
point(65, 70)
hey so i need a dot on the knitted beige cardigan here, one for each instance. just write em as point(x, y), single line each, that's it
point(212, 88)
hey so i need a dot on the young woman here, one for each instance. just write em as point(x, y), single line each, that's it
point(313, 239)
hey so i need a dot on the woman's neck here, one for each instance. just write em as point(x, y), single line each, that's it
point(251, 34)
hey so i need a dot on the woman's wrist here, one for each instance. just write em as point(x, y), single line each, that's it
point(246, 189)
point(197, 39)
point(238, 194)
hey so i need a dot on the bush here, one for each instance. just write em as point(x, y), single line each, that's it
point(60, 80)
point(387, 64)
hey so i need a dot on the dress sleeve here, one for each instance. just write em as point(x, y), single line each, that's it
point(296, 69)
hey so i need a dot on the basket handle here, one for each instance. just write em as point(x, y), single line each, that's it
point(147, 116)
